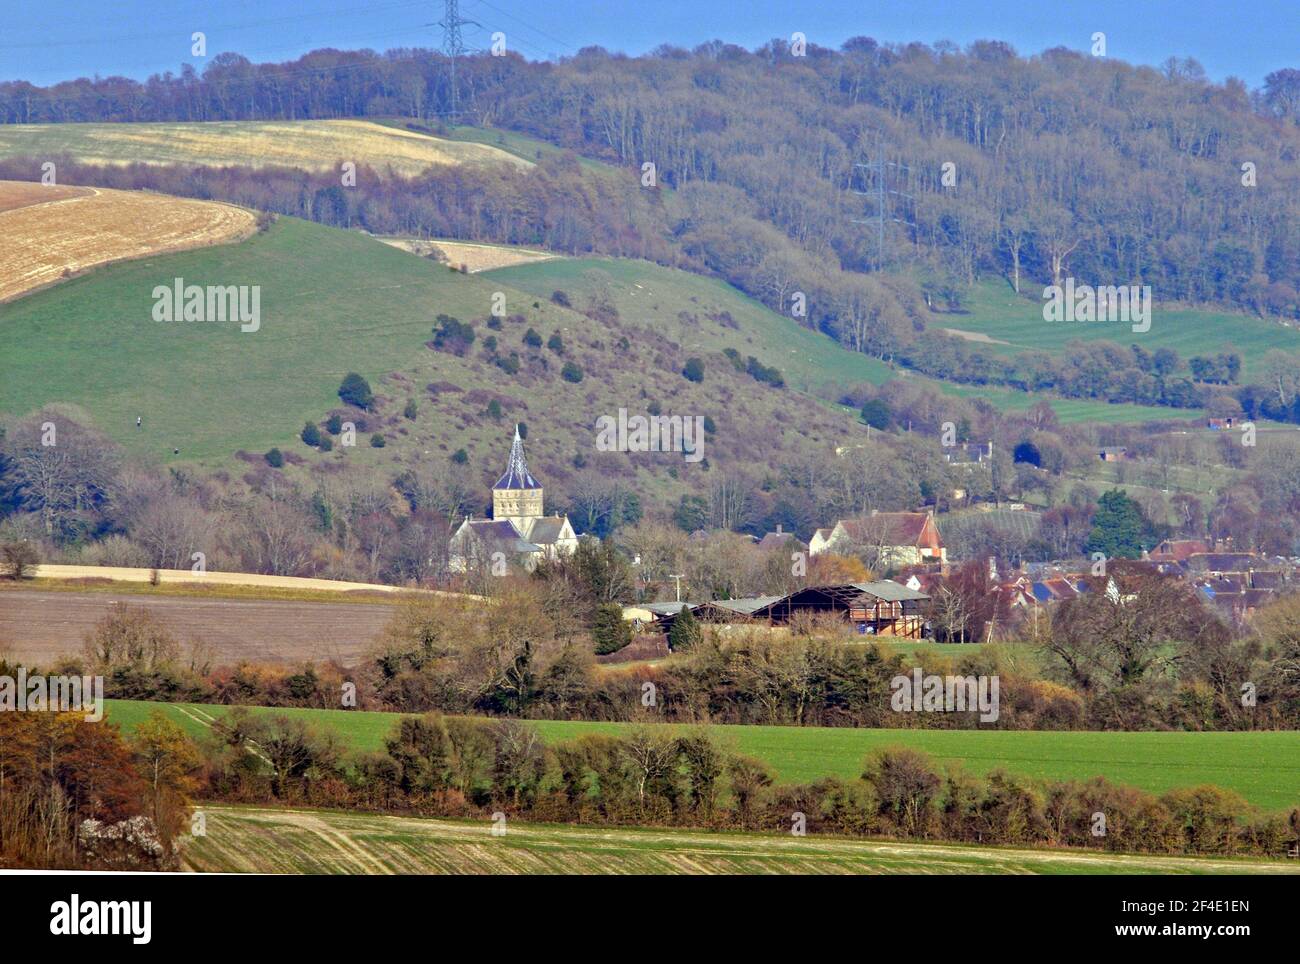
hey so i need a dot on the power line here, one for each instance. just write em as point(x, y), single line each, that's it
point(527, 25)
point(453, 45)
point(878, 190)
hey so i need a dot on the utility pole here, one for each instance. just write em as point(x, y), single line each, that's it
point(877, 189)
point(453, 46)
point(678, 576)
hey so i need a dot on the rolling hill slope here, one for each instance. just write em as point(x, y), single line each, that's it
point(333, 301)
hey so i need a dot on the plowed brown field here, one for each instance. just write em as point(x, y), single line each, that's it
point(49, 236)
point(37, 628)
point(20, 194)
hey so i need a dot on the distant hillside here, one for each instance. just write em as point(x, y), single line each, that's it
point(311, 144)
point(333, 301)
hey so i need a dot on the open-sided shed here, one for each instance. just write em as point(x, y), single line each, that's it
point(881, 608)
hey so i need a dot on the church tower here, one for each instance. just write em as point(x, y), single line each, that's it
point(517, 496)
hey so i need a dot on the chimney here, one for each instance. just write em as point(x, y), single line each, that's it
point(778, 528)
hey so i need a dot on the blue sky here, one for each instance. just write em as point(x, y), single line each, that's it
point(50, 40)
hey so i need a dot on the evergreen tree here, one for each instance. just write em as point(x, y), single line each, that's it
point(1119, 529)
point(611, 631)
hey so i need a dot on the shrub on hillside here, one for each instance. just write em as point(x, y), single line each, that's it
point(311, 434)
point(561, 298)
point(452, 335)
point(274, 458)
point(877, 413)
point(693, 371)
point(764, 373)
point(355, 390)
point(571, 373)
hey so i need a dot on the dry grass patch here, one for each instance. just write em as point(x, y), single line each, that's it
point(312, 145)
point(475, 257)
point(48, 239)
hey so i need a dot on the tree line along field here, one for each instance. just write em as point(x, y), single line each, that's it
point(255, 840)
point(1264, 767)
point(310, 144)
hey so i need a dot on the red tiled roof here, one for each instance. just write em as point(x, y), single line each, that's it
point(1179, 549)
point(890, 528)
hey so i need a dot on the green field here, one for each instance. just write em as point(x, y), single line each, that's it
point(331, 302)
point(994, 310)
point(334, 301)
point(256, 840)
point(1263, 767)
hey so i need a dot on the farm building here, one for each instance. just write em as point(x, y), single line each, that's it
point(883, 608)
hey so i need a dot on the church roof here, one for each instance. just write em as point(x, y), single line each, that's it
point(517, 476)
point(546, 531)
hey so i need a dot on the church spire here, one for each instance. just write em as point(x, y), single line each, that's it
point(517, 476)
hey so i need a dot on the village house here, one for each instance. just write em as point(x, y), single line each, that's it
point(820, 541)
point(1178, 550)
point(896, 539)
point(519, 532)
point(780, 539)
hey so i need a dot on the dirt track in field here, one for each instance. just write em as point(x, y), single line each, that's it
point(38, 627)
point(50, 237)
